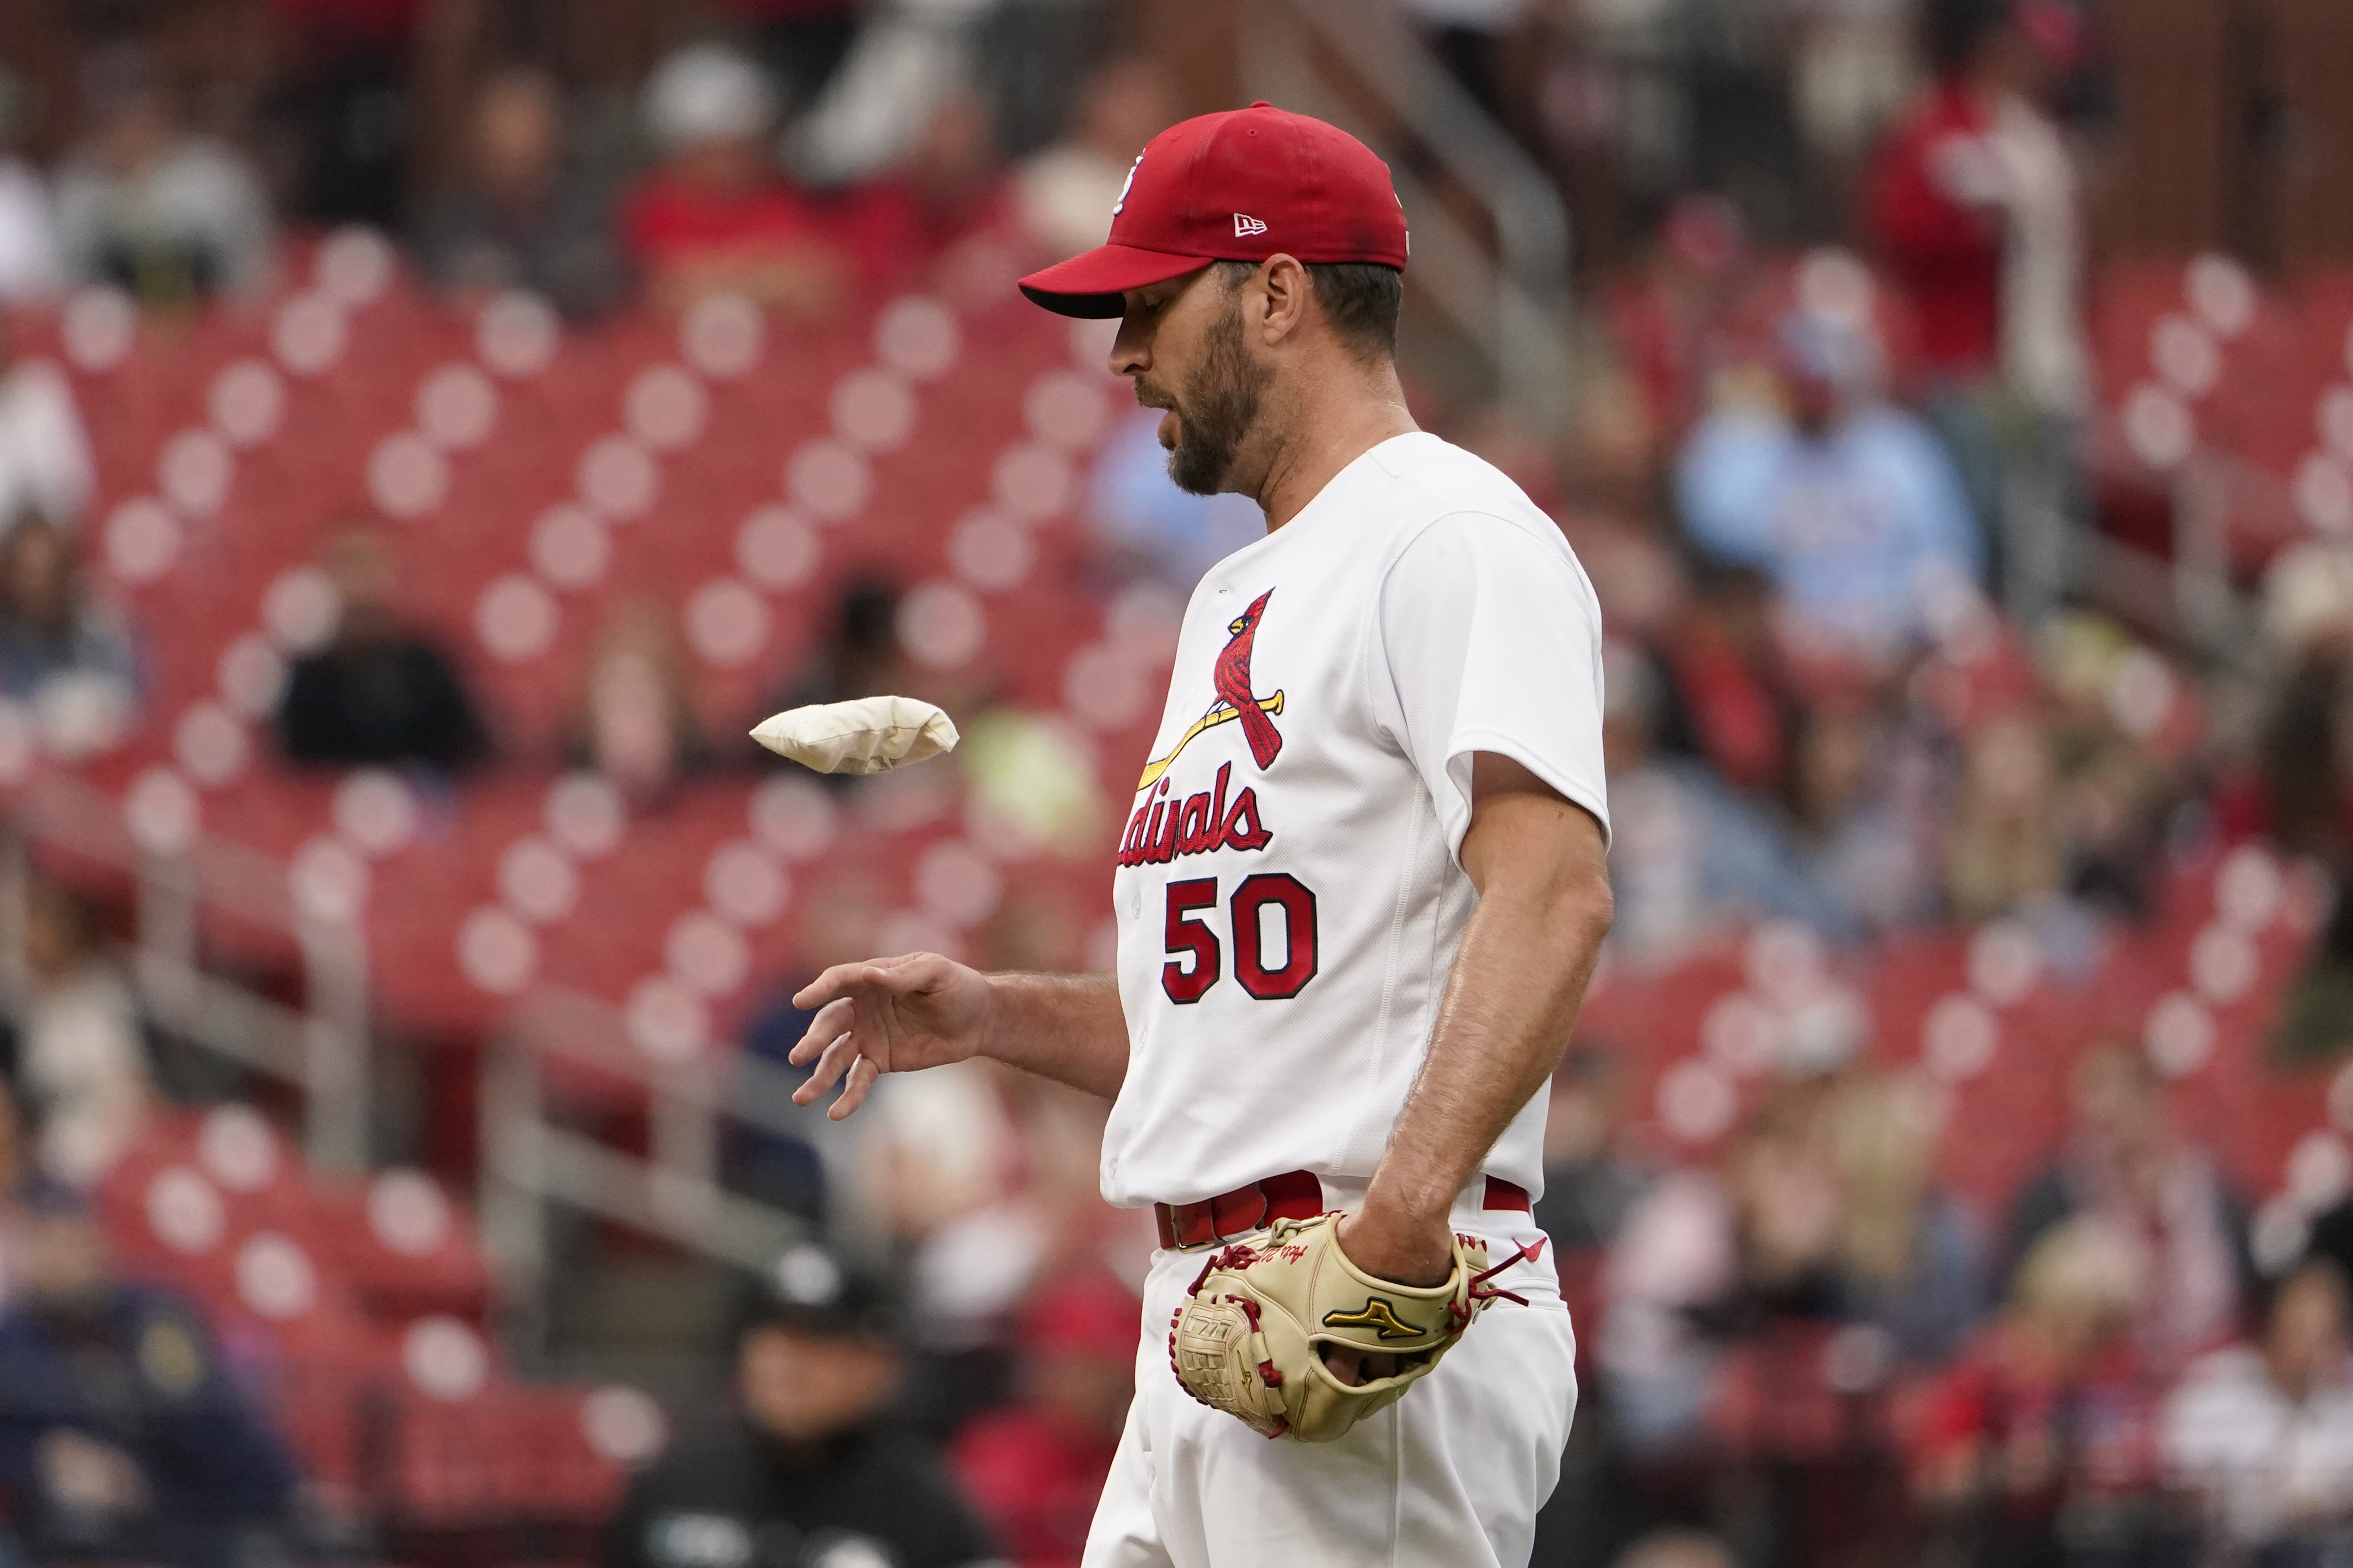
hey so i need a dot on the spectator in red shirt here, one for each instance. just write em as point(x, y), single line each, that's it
point(716, 215)
point(2047, 1430)
point(1034, 1468)
point(1972, 188)
point(1673, 320)
point(1974, 207)
point(943, 217)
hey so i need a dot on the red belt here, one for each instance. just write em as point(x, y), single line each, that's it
point(1295, 1195)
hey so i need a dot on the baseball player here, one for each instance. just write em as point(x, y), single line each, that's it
point(1359, 894)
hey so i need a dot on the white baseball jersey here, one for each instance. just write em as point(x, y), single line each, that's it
point(1288, 897)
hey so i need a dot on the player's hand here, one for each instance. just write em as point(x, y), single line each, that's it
point(892, 1015)
point(1387, 1248)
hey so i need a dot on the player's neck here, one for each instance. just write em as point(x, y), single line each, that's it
point(1333, 424)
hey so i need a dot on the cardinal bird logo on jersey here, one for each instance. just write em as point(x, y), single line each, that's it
point(1236, 699)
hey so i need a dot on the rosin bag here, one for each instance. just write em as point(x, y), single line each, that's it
point(872, 735)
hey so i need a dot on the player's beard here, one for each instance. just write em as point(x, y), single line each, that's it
point(1219, 405)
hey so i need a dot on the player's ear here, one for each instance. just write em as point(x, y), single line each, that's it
point(1284, 303)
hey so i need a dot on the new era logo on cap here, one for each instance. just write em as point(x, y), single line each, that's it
point(1244, 224)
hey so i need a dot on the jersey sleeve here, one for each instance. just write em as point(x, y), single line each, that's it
point(1490, 640)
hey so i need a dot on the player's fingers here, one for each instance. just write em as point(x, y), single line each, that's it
point(862, 1074)
point(810, 1088)
point(838, 1057)
point(832, 1021)
point(829, 986)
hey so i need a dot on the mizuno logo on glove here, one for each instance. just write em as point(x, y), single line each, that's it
point(1376, 1315)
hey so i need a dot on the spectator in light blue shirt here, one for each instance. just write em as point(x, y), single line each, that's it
point(1846, 501)
point(1141, 514)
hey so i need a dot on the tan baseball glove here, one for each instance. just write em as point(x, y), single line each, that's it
point(1247, 1338)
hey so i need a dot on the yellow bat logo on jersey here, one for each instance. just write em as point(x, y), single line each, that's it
point(1220, 712)
point(1377, 1315)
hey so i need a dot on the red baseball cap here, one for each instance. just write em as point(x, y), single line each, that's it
point(1241, 185)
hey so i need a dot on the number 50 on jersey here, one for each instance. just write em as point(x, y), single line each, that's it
point(1270, 927)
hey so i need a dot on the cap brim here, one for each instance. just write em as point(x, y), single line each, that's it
point(1088, 285)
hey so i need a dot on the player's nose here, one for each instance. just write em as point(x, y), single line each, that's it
point(1130, 350)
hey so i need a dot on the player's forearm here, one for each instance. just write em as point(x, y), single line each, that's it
point(1068, 1028)
point(1511, 1004)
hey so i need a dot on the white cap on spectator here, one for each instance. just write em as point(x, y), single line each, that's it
point(707, 93)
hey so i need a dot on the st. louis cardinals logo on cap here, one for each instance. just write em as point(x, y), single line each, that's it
point(1235, 700)
point(1126, 186)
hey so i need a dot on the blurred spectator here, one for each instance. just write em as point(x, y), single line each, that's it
point(1726, 1290)
point(520, 218)
point(635, 721)
point(1672, 321)
point(346, 84)
point(1973, 202)
point(1845, 501)
point(1861, 795)
point(81, 1052)
point(1065, 192)
point(122, 1438)
point(861, 655)
point(1852, 69)
point(800, 42)
point(1152, 528)
point(1035, 784)
point(15, 1172)
point(30, 269)
point(1706, 1259)
point(2263, 1433)
point(2297, 789)
point(146, 205)
point(908, 55)
point(2040, 1447)
point(715, 214)
point(943, 211)
point(1914, 1259)
point(1726, 698)
point(1589, 1187)
point(57, 654)
point(807, 1460)
point(2002, 849)
point(1690, 857)
point(2126, 1168)
point(2123, 723)
point(1036, 1468)
point(44, 462)
point(378, 693)
point(1974, 207)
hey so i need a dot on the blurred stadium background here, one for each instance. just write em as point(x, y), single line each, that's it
point(433, 431)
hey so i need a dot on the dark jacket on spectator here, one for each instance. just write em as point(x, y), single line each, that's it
point(388, 704)
point(729, 1496)
point(138, 1374)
